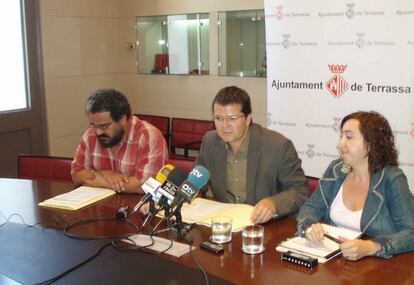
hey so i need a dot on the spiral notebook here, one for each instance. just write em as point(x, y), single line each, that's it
point(324, 250)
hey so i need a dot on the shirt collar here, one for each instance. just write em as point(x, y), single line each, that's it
point(244, 147)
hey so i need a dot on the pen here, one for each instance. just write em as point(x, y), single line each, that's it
point(332, 238)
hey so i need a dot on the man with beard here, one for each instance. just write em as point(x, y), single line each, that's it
point(118, 150)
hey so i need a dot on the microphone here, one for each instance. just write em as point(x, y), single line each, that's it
point(170, 186)
point(163, 173)
point(189, 189)
point(151, 185)
point(167, 192)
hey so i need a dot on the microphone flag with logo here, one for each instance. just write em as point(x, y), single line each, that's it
point(151, 185)
point(189, 189)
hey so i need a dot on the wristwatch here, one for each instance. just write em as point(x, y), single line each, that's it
point(275, 216)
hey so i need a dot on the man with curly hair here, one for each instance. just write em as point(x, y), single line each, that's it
point(118, 150)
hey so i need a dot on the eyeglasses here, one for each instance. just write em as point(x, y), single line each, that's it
point(230, 119)
point(101, 127)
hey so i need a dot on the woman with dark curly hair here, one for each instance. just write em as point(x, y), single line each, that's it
point(364, 190)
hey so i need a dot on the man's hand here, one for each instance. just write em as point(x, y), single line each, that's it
point(107, 179)
point(115, 179)
point(357, 249)
point(263, 211)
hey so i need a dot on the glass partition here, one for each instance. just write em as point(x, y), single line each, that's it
point(242, 43)
point(175, 44)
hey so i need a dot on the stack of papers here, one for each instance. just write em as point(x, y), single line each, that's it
point(201, 211)
point(78, 198)
point(324, 250)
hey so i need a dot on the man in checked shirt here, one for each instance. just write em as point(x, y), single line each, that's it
point(118, 150)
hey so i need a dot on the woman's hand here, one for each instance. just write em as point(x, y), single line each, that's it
point(315, 233)
point(357, 249)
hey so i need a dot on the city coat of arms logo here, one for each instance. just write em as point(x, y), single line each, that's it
point(286, 42)
point(337, 85)
point(310, 152)
point(350, 13)
point(279, 13)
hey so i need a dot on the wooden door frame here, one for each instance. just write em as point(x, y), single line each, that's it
point(31, 121)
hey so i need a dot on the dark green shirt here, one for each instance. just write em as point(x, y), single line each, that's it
point(236, 167)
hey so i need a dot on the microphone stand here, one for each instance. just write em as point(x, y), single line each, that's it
point(175, 226)
point(179, 228)
point(150, 213)
point(167, 217)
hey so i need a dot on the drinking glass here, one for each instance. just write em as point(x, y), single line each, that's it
point(221, 229)
point(252, 239)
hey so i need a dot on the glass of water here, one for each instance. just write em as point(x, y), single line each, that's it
point(221, 229)
point(252, 239)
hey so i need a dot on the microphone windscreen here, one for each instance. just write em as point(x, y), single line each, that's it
point(199, 176)
point(170, 186)
point(164, 172)
point(177, 176)
point(150, 186)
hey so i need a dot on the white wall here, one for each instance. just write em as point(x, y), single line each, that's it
point(84, 49)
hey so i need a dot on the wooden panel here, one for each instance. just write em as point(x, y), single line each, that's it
point(12, 143)
point(233, 265)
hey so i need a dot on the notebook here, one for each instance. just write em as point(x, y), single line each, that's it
point(324, 250)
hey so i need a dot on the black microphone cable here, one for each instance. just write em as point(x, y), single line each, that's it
point(189, 240)
point(17, 215)
point(144, 248)
point(198, 263)
point(115, 243)
point(68, 233)
point(57, 277)
point(57, 219)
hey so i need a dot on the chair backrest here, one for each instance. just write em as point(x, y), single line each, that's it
point(160, 122)
point(161, 62)
point(188, 133)
point(184, 164)
point(49, 168)
point(312, 182)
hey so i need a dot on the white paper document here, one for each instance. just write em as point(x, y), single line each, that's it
point(201, 211)
point(336, 232)
point(78, 198)
point(177, 249)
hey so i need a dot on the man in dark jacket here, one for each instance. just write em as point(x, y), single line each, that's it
point(250, 164)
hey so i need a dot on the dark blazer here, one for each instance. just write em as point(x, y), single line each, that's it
point(273, 169)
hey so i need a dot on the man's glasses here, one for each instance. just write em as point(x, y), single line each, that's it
point(230, 119)
point(101, 127)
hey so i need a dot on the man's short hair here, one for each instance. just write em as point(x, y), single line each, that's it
point(233, 95)
point(108, 100)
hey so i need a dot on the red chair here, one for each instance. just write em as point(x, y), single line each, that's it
point(184, 164)
point(312, 182)
point(187, 134)
point(160, 122)
point(160, 63)
point(46, 168)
